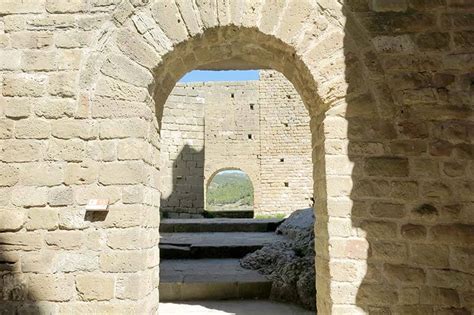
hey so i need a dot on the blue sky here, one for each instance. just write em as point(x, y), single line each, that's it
point(223, 75)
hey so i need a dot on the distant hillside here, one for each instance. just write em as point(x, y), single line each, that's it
point(229, 190)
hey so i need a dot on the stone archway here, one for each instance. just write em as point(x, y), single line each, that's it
point(145, 54)
point(208, 180)
point(388, 86)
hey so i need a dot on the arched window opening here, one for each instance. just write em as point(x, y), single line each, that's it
point(229, 190)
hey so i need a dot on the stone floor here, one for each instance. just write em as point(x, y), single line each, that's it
point(237, 307)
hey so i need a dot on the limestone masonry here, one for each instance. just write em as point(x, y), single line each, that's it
point(260, 127)
point(388, 88)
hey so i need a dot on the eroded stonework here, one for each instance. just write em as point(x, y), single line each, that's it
point(388, 88)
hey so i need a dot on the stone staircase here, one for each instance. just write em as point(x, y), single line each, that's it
point(200, 258)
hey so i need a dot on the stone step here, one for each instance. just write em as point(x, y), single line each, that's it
point(219, 225)
point(213, 245)
point(229, 214)
point(210, 279)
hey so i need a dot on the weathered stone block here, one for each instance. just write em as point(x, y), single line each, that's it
point(6, 128)
point(9, 60)
point(132, 194)
point(32, 129)
point(18, 241)
point(55, 108)
point(117, 90)
point(433, 41)
point(64, 239)
point(42, 218)
point(429, 255)
point(123, 128)
point(126, 239)
point(168, 18)
point(57, 287)
point(68, 59)
point(462, 258)
point(81, 173)
point(65, 6)
point(11, 220)
point(29, 39)
point(67, 150)
point(124, 69)
point(21, 150)
point(132, 149)
point(122, 261)
point(26, 6)
point(17, 107)
point(413, 231)
point(122, 173)
point(133, 286)
point(75, 128)
point(387, 166)
point(73, 261)
point(109, 108)
point(73, 219)
point(103, 150)
point(379, 229)
point(456, 234)
point(60, 196)
point(394, 44)
point(447, 278)
point(63, 84)
point(388, 5)
point(24, 85)
point(389, 251)
point(377, 294)
point(14, 287)
point(38, 60)
point(464, 40)
point(29, 196)
point(95, 286)
point(41, 174)
point(8, 175)
point(133, 46)
point(38, 262)
point(404, 274)
point(387, 210)
point(349, 248)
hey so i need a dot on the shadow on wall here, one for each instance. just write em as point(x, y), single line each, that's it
point(417, 245)
point(187, 184)
point(15, 296)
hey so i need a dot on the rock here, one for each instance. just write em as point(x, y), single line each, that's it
point(289, 263)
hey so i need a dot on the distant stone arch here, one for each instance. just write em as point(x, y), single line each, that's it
point(208, 181)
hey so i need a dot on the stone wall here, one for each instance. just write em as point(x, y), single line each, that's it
point(286, 172)
point(233, 132)
point(260, 127)
point(388, 87)
point(182, 151)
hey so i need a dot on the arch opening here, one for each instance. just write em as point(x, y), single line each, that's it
point(229, 189)
point(166, 77)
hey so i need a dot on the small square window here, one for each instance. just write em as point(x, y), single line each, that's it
point(250, 136)
point(282, 160)
point(251, 106)
point(286, 184)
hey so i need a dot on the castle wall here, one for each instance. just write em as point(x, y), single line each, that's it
point(247, 125)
